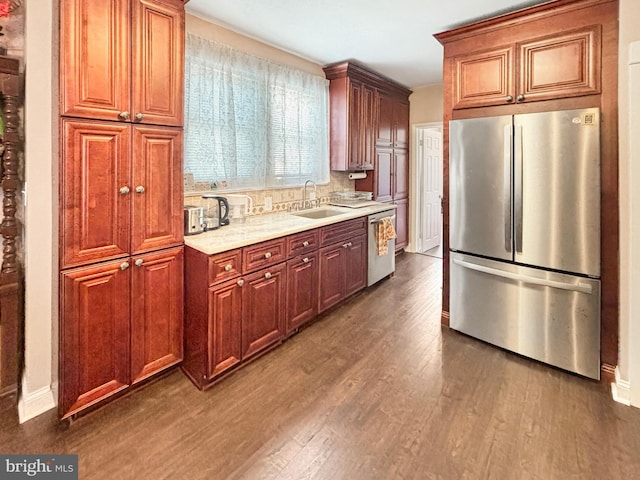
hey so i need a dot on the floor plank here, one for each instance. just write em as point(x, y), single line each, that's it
point(376, 389)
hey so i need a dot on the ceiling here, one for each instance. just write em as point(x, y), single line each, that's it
point(392, 38)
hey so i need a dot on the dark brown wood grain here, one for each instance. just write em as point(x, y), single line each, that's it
point(302, 288)
point(374, 390)
point(596, 83)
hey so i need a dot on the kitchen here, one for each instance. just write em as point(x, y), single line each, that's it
point(48, 348)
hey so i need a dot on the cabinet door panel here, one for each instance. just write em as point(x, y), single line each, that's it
point(369, 128)
point(157, 303)
point(400, 174)
point(157, 206)
point(401, 124)
point(355, 119)
point(94, 335)
point(225, 327)
point(402, 224)
point(383, 178)
point(331, 276)
point(385, 121)
point(94, 214)
point(158, 64)
point(559, 66)
point(484, 78)
point(302, 290)
point(263, 308)
point(95, 70)
point(356, 269)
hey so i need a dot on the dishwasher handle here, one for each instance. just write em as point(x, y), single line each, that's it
point(379, 220)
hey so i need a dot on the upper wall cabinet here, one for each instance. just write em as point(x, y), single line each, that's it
point(559, 65)
point(367, 111)
point(123, 60)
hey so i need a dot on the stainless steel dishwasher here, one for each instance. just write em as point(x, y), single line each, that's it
point(380, 266)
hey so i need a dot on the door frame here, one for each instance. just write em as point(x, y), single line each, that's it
point(414, 183)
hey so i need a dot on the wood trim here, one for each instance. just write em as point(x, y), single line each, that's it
point(607, 373)
point(529, 14)
point(444, 319)
point(356, 71)
point(11, 282)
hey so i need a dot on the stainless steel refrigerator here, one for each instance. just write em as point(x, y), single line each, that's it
point(525, 234)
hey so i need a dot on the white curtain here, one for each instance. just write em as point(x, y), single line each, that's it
point(252, 123)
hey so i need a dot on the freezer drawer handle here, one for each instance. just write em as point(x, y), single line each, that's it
point(579, 287)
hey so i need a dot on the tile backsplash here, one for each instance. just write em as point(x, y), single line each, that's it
point(283, 198)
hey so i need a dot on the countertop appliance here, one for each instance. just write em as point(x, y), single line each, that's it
point(379, 266)
point(525, 234)
point(239, 207)
point(193, 220)
point(216, 211)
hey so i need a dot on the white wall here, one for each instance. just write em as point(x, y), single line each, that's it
point(38, 383)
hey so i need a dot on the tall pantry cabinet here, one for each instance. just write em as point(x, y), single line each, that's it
point(121, 243)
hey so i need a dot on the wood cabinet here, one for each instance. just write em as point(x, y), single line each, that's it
point(123, 60)
point(342, 262)
point(559, 55)
point(121, 190)
point(243, 302)
point(107, 344)
point(557, 65)
point(302, 290)
point(121, 195)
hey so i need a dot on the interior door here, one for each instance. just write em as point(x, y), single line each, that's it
point(480, 186)
point(430, 161)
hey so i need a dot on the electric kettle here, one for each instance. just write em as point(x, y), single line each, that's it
point(216, 211)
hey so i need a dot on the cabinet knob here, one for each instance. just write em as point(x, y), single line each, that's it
point(305, 259)
point(124, 265)
point(509, 98)
point(139, 116)
point(345, 245)
point(139, 262)
point(124, 115)
point(227, 268)
point(140, 189)
point(349, 244)
point(305, 244)
point(267, 275)
point(240, 282)
point(124, 190)
point(267, 255)
point(520, 98)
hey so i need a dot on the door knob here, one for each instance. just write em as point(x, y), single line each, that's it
point(124, 115)
point(124, 265)
point(124, 190)
point(140, 189)
point(139, 116)
point(139, 262)
point(305, 259)
point(520, 98)
point(509, 98)
point(240, 282)
point(267, 275)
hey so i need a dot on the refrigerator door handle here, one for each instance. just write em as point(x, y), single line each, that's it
point(517, 187)
point(578, 287)
point(507, 157)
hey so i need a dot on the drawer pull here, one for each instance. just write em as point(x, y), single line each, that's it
point(240, 282)
point(228, 268)
point(267, 255)
point(305, 259)
point(267, 275)
point(305, 244)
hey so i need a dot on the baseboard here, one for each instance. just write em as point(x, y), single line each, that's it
point(621, 389)
point(35, 403)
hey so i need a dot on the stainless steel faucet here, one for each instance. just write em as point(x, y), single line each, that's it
point(307, 203)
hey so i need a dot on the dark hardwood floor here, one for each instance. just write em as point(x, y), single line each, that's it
point(374, 390)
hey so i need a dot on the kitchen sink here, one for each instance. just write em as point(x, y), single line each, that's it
point(318, 213)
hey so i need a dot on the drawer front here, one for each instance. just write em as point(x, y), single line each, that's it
point(302, 243)
point(263, 254)
point(342, 231)
point(225, 266)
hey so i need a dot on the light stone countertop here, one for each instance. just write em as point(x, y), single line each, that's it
point(260, 228)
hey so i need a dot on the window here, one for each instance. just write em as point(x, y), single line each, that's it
point(252, 123)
